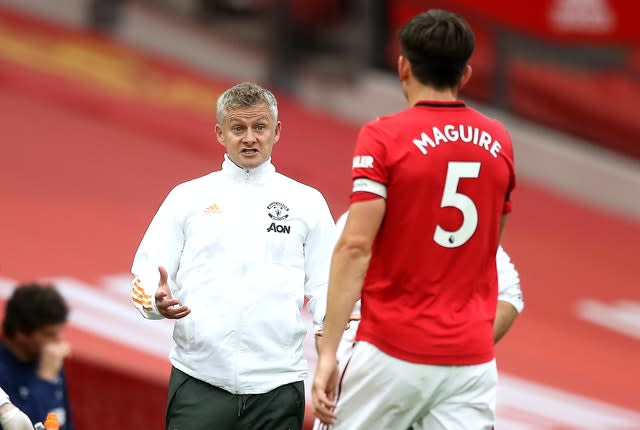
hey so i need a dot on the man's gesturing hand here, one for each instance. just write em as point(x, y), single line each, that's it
point(166, 304)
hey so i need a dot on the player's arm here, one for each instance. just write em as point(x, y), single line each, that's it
point(349, 265)
point(510, 298)
point(162, 246)
point(355, 314)
point(350, 260)
point(506, 314)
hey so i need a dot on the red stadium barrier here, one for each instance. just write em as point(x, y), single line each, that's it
point(113, 399)
point(599, 106)
point(610, 22)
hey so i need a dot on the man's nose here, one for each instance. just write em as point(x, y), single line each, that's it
point(249, 136)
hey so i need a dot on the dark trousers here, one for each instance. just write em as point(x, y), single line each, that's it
point(195, 405)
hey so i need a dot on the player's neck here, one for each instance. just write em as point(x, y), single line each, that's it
point(424, 93)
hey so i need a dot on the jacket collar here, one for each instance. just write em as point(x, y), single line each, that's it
point(257, 175)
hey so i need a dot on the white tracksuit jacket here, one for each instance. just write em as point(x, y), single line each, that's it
point(242, 249)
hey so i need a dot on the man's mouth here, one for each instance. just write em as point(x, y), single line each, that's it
point(249, 151)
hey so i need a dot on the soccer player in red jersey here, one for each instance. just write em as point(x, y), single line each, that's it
point(431, 192)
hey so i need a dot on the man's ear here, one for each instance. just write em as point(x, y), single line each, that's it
point(404, 68)
point(466, 75)
point(219, 134)
point(276, 133)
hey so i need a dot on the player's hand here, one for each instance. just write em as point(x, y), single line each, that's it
point(166, 304)
point(52, 358)
point(323, 390)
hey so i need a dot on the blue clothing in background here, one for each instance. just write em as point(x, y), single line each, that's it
point(35, 396)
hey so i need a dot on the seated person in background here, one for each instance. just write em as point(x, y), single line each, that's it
point(32, 353)
point(12, 418)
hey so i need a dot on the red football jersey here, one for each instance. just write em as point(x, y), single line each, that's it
point(447, 173)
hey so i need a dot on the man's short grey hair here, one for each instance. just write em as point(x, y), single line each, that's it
point(244, 95)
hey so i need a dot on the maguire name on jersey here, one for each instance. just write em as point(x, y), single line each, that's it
point(457, 133)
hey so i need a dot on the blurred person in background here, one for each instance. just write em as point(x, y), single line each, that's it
point(231, 256)
point(431, 193)
point(298, 30)
point(12, 418)
point(105, 15)
point(32, 352)
point(510, 305)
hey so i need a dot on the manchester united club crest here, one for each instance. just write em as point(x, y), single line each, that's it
point(278, 211)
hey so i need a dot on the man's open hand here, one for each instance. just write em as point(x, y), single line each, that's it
point(166, 304)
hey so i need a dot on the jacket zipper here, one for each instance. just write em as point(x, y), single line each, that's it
point(247, 177)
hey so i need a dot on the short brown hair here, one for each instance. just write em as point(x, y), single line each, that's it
point(438, 45)
point(31, 307)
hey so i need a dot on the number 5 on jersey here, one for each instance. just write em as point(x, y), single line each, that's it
point(452, 198)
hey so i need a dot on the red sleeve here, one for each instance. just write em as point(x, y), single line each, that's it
point(362, 196)
point(369, 159)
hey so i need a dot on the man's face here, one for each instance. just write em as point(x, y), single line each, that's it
point(31, 344)
point(248, 134)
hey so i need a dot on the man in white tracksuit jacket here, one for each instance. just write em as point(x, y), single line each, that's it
point(231, 256)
